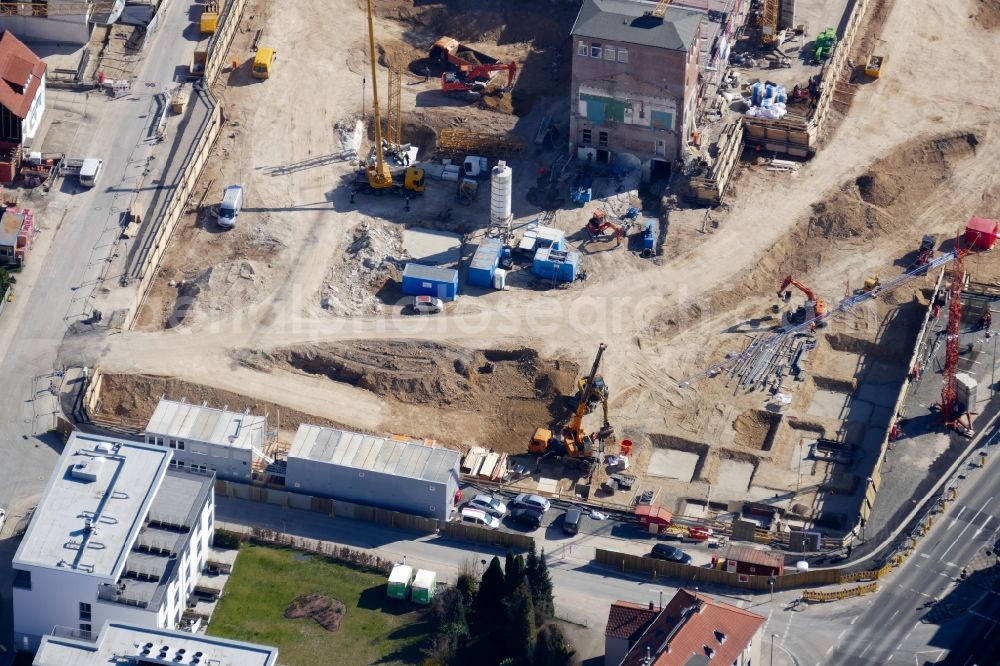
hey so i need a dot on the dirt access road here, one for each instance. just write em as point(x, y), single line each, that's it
point(662, 324)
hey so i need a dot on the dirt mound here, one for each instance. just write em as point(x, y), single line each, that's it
point(988, 16)
point(373, 257)
point(327, 612)
point(879, 189)
point(426, 372)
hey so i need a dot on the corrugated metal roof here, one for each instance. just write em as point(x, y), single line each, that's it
point(180, 420)
point(421, 272)
point(409, 459)
point(626, 21)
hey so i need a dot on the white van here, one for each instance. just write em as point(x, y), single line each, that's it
point(229, 209)
point(89, 171)
point(480, 518)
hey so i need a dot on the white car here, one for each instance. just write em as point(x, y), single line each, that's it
point(427, 305)
point(3, 518)
point(532, 502)
point(491, 505)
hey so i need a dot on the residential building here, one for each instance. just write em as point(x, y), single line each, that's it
point(207, 439)
point(626, 623)
point(695, 629)
point(118, 535)
point(59, 21)
point(634, 84)
point(397, 474)
point(17, 233)
point(122, 643)
point(22, 102)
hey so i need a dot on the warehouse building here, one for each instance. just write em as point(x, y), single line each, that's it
point(117, 536)
point(401, 475)
point(209, 440)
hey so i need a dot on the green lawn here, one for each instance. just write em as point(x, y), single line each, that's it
point(375, 629)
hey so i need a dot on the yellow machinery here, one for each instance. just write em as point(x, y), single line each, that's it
point(576, 444)
point(262, 62)
point(210, 17)
point(875, 65)
point(768, 22)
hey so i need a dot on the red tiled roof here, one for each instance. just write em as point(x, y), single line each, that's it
point(17, 65)
point(752, 555)
point(691, 625)
point(628, 620)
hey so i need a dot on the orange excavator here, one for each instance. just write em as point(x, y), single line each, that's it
point(471, 82)
point(599, 227)
point(818, 303)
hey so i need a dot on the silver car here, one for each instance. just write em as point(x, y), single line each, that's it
point(491, 505)
point(532, 502)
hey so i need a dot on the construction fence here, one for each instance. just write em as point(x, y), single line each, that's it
point(813, 595)
point(509, 540)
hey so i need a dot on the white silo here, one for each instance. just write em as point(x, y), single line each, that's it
point(501, 188)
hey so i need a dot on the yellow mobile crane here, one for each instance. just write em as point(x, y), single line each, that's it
point(376, 176)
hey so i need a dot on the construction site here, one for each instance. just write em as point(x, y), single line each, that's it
point(738, 330)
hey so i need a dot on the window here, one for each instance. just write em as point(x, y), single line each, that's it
point(595, 50)
point(661, 147)
point(582, 49)
point(85, 629)
point(85, 612)
point(298, 485)
point(585, 139)
point(622, 55)
point(609, 53)
point(602, 139)
point(22, 579)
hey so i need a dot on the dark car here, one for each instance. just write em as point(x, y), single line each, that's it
point(664, 551)
point(526, 516)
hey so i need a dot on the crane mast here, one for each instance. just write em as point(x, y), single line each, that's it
point(379, 176)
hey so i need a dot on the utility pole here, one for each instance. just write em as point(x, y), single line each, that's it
point(773, 636)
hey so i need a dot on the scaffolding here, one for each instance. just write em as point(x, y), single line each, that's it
point(393, 115)
point(459, 142)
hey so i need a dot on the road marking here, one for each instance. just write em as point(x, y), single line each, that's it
point(899, 646)
point(867, 647)
point(855, 619)
point(840, 635)
point(829, 650)
point(955, 519)
point(964, 529)
point(895, 613)
point(924, 555)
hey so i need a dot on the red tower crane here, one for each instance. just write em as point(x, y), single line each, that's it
point(951, 411)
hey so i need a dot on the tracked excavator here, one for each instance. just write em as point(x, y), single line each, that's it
point(574, 443)
point(815, 306)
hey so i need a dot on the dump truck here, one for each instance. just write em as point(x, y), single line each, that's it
point(450, 51)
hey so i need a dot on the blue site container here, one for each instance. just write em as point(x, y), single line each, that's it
point(419, 280)
point(567, 269)
point(550, 264)
point(649, 232)
point(484, 263)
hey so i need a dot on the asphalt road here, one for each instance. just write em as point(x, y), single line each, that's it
point(77, 234)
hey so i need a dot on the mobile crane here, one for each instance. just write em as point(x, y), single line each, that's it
point(375, 175)
point(575, 444)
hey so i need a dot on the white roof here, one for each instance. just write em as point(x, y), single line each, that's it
point(94, 505)
point(425, 579)
point(401, 573)
point(118, 640)
point(408, 458)
point(197, 423)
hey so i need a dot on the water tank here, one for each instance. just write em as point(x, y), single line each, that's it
point(501, 186)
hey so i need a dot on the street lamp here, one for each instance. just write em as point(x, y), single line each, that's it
point(771, 581)
point(773, 636)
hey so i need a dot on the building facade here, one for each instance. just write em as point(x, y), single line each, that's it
point(396, 474)
point(626, 623)
point(117, 536)
point(123, 643)
point(634, 85)
point(206, 439)
point(22, 94)
point(60, 21)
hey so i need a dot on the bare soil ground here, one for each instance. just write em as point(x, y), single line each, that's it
point(327, 612)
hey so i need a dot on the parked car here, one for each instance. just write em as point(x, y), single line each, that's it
point(3, 518)
point(525, 516)
point(532, 502)
point(427, 305)
point(491, 505)
point(664, 551)
point(571, 521)
point(480, 518)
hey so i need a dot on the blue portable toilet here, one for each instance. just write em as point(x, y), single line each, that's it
point(649, 232)
point(419, 280)
point(484, 263)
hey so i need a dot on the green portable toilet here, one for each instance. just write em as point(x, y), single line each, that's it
point(399, 581)
point(424, 584)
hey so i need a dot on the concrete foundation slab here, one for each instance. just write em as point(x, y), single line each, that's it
point(829, 404)
point(672, 464)
point(734, 475)
point(548, 485)
point(431, 247)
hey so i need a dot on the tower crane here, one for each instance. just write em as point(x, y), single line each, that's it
point(951, 410)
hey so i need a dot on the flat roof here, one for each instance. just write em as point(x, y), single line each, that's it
point(395, 457)
point(94, 505)
point(10, 226)
point(200, 423)
point(433, 273)
point(118, 640)
point(628, 21)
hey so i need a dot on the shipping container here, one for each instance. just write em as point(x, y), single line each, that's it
point(484, 263)
point(556, 265)
point(399, 581)
point(981, 233)
point(424, 585)
point(419, 280)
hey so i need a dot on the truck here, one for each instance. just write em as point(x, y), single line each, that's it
point(424, 586)
point(198, 60)
point(87, 170)
point(399, 581)
point(458, 56)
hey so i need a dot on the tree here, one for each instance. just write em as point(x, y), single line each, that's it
point(519, 635)
point(467, 585)
point(514, 572)
point(448, 607)
point(6, 280)
point(552, 648)
point(541, 588)
point(488, 619)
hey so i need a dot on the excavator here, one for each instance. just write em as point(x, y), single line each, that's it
point(817, 303)
point(471, 84)
point(601, 228)
point(576, 444)
point(376, 175)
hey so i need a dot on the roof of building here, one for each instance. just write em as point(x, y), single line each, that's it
point(118, 640)
point(10, 226)
point(629, 21)
point(421, 272)
point(21, 73)
point(94, 505)
point(752, 555)
point(200, 423)
point(694, 628)
point(629, 620)
point(395, 457)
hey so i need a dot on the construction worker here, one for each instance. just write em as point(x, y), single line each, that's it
point(986, 321)
point(427, 74)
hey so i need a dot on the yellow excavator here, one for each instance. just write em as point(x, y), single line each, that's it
point(575, 443)
point(376, 175)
